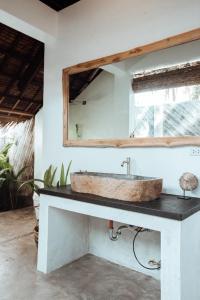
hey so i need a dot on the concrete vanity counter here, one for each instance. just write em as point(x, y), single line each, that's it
point(64, 234)
point(167, 206)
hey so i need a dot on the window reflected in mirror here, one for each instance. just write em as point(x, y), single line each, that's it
point(152, 95)
point(166, 102)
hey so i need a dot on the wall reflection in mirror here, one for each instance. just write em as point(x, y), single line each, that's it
point(152, 95)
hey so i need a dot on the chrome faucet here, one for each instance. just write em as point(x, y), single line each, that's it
point(128, 165)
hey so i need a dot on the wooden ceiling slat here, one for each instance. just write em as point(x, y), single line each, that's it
point(2, 99)
point(32, 69)
point(15, 53)
point(19, 54)
point(14, 79)
point(15, 105)
point(16, 112)
point(6, 118)
point(11, 48)
point(15, 98)
point(33, 100)
point(29, 106)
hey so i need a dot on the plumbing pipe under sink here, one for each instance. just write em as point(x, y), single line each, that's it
point(114, 236)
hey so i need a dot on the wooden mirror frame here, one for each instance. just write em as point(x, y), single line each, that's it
point(129, 142)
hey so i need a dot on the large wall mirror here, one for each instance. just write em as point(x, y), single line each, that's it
point(144, 97)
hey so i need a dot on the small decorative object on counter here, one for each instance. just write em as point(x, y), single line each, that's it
point(188, 182)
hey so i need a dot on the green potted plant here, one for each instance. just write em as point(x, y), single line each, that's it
point(10, 180)
point(48, 182)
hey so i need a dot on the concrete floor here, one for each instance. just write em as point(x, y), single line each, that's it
point(89, 278)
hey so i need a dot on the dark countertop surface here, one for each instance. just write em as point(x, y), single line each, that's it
point(167, 206)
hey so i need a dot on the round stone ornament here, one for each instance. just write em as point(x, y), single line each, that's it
point(188, 182)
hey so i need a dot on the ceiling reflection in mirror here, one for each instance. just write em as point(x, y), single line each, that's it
point(152, 95)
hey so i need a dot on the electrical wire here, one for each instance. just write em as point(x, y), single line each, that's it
point(139, 230)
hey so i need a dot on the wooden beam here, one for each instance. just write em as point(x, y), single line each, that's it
point(15, 98)
point(29, 106)
point(6, 119)
point(15, 105)
point(16, 112)
point(2, 99)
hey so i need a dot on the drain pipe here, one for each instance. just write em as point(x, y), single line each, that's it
point(114, 235)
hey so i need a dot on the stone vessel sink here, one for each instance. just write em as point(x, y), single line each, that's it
point(123, 187)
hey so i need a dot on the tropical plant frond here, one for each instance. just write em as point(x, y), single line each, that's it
point(2, 172)
point(4, 151)
point(30, 183)
point(21, 171)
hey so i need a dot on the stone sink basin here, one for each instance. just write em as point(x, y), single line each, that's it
point(123, 187)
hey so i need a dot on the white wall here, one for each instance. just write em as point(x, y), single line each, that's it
point(30, 17)
point(115, 28)
point(78, 41)
point(38, 145)
point(104, 116)
point(147, 246)
point(94, 118)
point(91, 29)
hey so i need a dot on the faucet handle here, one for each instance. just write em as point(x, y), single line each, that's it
point(128, 163)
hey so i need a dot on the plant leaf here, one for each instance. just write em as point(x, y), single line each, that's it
point(67, 173)
point(21, 171)
point(62, 176)
point(52, 177)
point(2, 172)
point(47, 176)
point(5, 149)
point(30, 182)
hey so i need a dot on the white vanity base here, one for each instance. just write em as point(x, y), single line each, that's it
point(64, 237)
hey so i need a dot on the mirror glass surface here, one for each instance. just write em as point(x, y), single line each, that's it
point(152, 95)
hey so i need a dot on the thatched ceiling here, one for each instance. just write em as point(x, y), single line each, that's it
point(21, 74)
point(59, 4)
